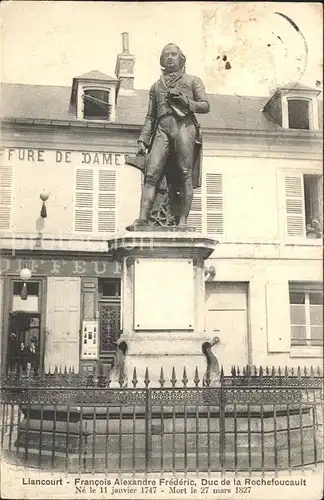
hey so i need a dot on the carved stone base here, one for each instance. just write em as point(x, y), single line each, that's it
point(117, 443)
point(163, 290)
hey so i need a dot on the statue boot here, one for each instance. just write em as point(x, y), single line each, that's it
point(137, 225)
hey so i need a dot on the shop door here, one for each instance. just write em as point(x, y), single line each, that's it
point(63, 324)
point(226, 318)
point(25, 339)
point(109, 307)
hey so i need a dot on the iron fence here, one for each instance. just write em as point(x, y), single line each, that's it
point(253, 420)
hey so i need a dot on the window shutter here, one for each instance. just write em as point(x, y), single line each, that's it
point(84, 194)
point(106, 201)
point(214, 203)
point(278, 316)
point(5, 196)
point(295, 207)
point(195, 215)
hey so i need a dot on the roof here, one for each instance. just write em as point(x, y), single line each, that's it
point(297, 86)
point(53, 103)
point(95, 74)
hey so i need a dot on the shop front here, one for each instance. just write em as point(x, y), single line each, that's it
point(65, 315)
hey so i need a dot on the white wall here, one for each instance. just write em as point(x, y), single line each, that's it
point(268, 305)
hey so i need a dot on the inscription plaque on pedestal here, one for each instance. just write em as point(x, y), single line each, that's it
point(164, 294)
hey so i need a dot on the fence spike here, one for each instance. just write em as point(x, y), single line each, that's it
point(273, 372)
point(255, 371)
point(279, 371)
point(55, 370)
point(184, 377)
point(173, 377)
point(298, 371)
point(286, 372)
point(292, 371)
point(233, 371)
point(244, 371)
point(267, 371)
point(135, 379)
point(196, 378)
point(260, 372)
point(305, 371)
point(146, 378)
point(65, 370)
point(318, 371)
point(162, 379)
point(311, 371)
point(238, 371)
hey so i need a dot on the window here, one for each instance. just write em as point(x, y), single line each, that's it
point(5, 196)
point(306, 315)
point(95, 200)
point(207, 212)
point(31, 303)
point(96, 104)
point(304, 205)
point(298, 113)
point(109, 288)
point(313, 205)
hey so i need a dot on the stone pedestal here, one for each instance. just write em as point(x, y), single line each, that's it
point(163, 301)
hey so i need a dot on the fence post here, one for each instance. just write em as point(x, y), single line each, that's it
point(222, 403)
point(148, 422)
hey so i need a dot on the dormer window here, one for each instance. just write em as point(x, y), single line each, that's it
point(298, 113)
point(294, 106)
point(96, 104)
point(93, 96)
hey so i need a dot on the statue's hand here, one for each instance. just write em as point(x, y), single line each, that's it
point(141, 148)
point(181, 99)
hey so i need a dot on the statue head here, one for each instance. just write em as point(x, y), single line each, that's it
point(172, 58)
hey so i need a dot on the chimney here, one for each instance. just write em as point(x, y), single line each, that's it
point(124, 70)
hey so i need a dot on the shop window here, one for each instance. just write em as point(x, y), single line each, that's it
point(306, 315)
point(32, 301)
point(109, 288)
point(96, 104)
point(298, 113)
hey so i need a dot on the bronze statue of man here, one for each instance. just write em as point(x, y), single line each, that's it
point(171, 137)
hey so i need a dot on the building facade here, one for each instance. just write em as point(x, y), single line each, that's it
point(261, 198)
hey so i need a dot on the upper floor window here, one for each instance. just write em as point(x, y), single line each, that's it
point(207, 211)
point(96, 104)
point(304, 205)
point(299, 114)
point(6, 180)
point(95, 198)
